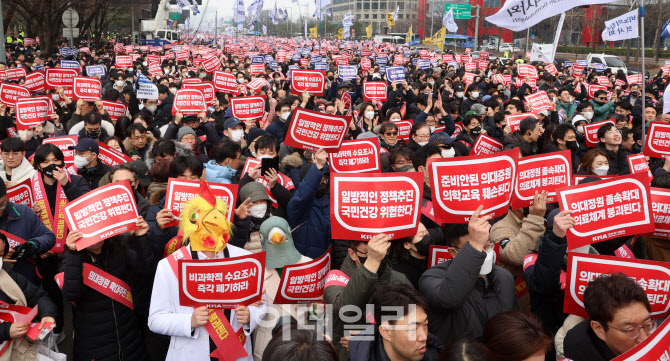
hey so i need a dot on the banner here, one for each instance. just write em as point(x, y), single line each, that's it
point(364, 206)
point(180, 191)
point(525, 70)
point(303, 282)
point(10, 94)
point(95, 70)
point(591, 132)
point(438, 254)
point(244, 108)
point(404, 128)
point(115, 109)
point(224, 82)
point(519, 15)
point(395, 73)
point(189, 102)
point(15, 73)
point(310, 81)
point(608, 209)
point(35, 82)
point(486, 145)
point(102, 213)
point(460, 185)
point(622, 27)
point(514, 121)
point(107, 284)
point(347, 72)
point(207, 90)
point(31, 112)
point(375, 90)
point(356, 156)
point(638, 164)
point(658, 140)
point(87, 89)
point(313, 130)
point(652, 276)
point(123, 62)
point(211, 63)
point(57, 77)
point(221, 283)
point(542, 172)
point(539, 101)
point(660, 208)
point(111, 156)
point(21, 193)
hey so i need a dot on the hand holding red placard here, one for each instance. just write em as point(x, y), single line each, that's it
point(21, 193)
point(542, 172)
point(31, 112)
point(111, 156)
point(87, 89)
point(314, 130)
point(207, 90)
point(375, 90)
point(591, 132)
point(245, 108)
point(514, 121)
point(189, 102)
point(303, 282)
point(539, 101)
point(486, 145)
point(10, 94)
point(658, 140)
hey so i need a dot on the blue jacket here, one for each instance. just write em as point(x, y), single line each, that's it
point(276, 128)
point(218, 173)
point(22, 222)
point(310, 217)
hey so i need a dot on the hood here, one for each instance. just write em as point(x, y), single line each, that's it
point(219, 173)
point(180, 147)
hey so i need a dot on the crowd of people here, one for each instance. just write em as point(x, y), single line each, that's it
point(464, 309)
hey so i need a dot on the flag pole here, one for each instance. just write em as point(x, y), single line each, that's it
point(644, 121)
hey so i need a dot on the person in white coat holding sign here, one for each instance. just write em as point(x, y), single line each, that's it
point(203, 224)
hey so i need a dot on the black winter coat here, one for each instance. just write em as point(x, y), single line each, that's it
point(582, 344)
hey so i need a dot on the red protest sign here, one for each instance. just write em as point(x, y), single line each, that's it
point(654, 347)
point(207, 90)
point(102, 213)
point(63, 142)
point(313, 130)
point(31, 112)
point(404, 128)
point(658, 140)
point(191, 80)
point(111, 156)
point(35, 81)
point(591, 89)
point(364, 206)
point(652, 276)
point(303, 282)
point(356, 156)
point(542, 172)
point(577, 70)
point(211, 63)
point(224, 82)
point(221, 283)
point(310, 81)
point(460, 185)
point(638, 164)
point(525, 70)
point(604, 81)
point(189, 102)
point(115, 109)
point(10, 94)
point(258, 68)
point(660, 207)
point(180, 191)
point(539, 101)
point(87, 89)
point(438, 254)
point(15, 73)
point(486, 145)
point(123, 61)
point(244, 108)
point(21, 193)
point(591, 132)
point(551, 68)
point(375, 90)
point(12, 239)
point(60, 77)
point(513, 121)
point(608, 209)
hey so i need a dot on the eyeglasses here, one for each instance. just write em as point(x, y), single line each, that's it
point(401, 163)
point(139, 137)
point(426, 136)
point(633, 332)
point(11, 154)
point(391, 134)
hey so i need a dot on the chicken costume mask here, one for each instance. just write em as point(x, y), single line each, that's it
point(203, 222)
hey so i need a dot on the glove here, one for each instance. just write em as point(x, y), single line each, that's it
point(26, 250)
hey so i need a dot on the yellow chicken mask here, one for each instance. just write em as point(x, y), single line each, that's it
point(203, 222)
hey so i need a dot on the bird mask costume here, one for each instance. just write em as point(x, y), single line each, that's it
point(203, 222)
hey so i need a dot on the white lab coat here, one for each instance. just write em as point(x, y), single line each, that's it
point(167, 317)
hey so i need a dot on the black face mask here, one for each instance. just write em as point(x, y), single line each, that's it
point(331, 78)
point(476, 131)
point(423, 245)
point(634, 94)
point(94, 134)
point(571, 144)
point(49, 170)
point(636, 148)
point(362, 259)
point(322, 190)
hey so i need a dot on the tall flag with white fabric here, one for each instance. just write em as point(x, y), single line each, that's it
point(395, 14)
point(543, 53)
point(666, 30)
point(517, 15)
point(305, 28)
point(274, 15)
point(147, 90)
point(183, 4)
point(194, 6)
point(449, 22)
point(622, 27)
point(265, 30)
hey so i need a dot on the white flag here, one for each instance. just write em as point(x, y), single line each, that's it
point(147, 90)
point(518, 15)
point(346, 32)
point(183, 4)
point(265, 30)
point(275, 15)
point(666, 100)
point(449, 22)
point(305, 28)
point(542, 53)
point(238, 8)
point(622, 27)
point(348, 20)
point(395, 14)
point(194, 6)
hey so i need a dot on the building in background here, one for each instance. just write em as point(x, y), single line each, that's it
point(374, 12)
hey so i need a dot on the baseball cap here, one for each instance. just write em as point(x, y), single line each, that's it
point(86, 144)
point(142, 172)
point(440, 138)
point(232, 123)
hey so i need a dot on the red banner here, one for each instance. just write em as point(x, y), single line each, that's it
point(310, 81)
point(31, 112)
point(180, 191)
point(577, 70)
point(63, 142)
point(591, 132)
point(15, 73)
point(438, 254)
point(652, 276)
point(638, 164)
point(10, 94)
point(108, 285)
point(660, 207)
point(59, 77)
point(608, 209)
point(221, 283)
point(364, 206)
point(35, 81)
point(191, 80)
point(21, 193)
point(207, 90)
point(539, 101)
point(514, 121)
point(658, 140)
point(460, 185)
point(12, 239)
point(115, 109)
point(551, 68)
point(123, 62)
point(102, 213)
point(111, 156)
point(303, 282)
point(189, 102)
point(87, 89)
point(356, 156)
point(525, 70)
point(375, 90)
point(245, 108)
point(211, 63)
point(404, 128)
point(542, 172)
point(486, 145)
point(257, 68)
point(313, 130)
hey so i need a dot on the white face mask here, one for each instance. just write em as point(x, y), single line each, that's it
point(488, 263)
point(459, 94)
point(475, 95)
point(236, 135)
point(26, 135)
point(144, 63)
point(421, 143)
point(80, 162)
point(580, 129)
point(432, 128)
point(284, 116)
point(56, 97)
point(120, 83)
point(448, 153)
point(151, 108)
point(602, 170)
point(241, 80)
point(588, 115)
point(173, 90)
point(369, 115)
point(259, 210)
point(166, 71)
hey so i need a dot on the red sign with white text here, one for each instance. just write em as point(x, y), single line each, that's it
point(658, 140)
point(313, 130)
point(364, 206)
point(207, 90)
point(438, 254)
point(59, 77)
point(102, 213)
point(21, 193)
point(123, 61)
point(15, 73)
point(591, 132)
point(404, 128)
point(35, 81)
point(31, 112)
point(10, 94)
point(87, 89)
point(652, 276)
point(608, 209)
point(356, 156)
point(221, 283)
point(542, 172)
point(539, 101)
point(180, 191)
point(63, 142)
point(303, 282)
point(525, 70)
point(375, 90)
point(638, 164)
point(211, 63)
point(486, 145)
point(514, 121)
point(245, 108)
point(660, 208)
point(115, 109)
point(310, 81)
point(460, 185)
point(189, 102)
point(224, 82)
point(111, 156)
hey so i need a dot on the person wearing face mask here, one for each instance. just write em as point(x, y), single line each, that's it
point(276, 128)
point(418, 136)
point(93, 128)
point(469, 289)
point(471, 131)
point(610, 143)
point(87, 162)
point(565, 138)
point(471, 97)
point(602, 108)
point(409, 256)
point(259, 206)
point(234, 131)
point(595, 162)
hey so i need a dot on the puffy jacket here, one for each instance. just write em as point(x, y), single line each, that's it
point(569, 109)
point(601, 112)
point(582, 344)
point(93, 175)
point(309, 217)
point(460, 301)
point(618, 162)
point(276, 128)
point(370, 347)
point(219, 174)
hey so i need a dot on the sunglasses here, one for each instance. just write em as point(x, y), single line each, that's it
point(602, 98)
point(389, 134)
